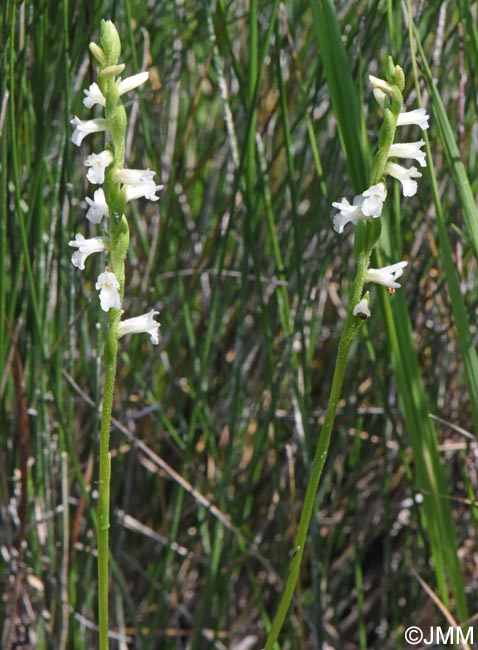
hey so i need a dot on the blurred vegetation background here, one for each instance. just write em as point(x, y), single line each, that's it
point(258, 115)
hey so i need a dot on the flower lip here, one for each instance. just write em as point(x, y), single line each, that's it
point(387, 275)
point(140, 324)
point(108, 286)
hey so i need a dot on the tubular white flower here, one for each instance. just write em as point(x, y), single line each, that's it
point(348, 213)
point(94, 96)
point(362, 309)
point(85, 247)
point(374, 198)
point(419, 116)
point(146, 188)
point(139, 324)
point(98, 207)
point(133, 176)
point(405, 176)
point(409, 150)
point(130, 83)
point(85, 127)
point(386, 275)
point(108, 286)
point(97, 164)
point(380, 84)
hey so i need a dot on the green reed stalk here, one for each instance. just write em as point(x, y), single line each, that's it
point(119, 185)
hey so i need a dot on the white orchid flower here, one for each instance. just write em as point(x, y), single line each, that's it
point(108, 286)
point(139, 324)
point(85, 248)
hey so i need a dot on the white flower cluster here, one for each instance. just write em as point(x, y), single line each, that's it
point(369, 204)
point(136, 183)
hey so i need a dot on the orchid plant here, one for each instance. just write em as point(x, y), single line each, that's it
point(364, 213)
point(118, 186)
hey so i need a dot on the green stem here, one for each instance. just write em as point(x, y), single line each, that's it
point(105, 474)
point(350, 331)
